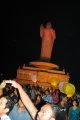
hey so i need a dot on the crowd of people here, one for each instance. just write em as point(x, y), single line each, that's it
point(36, 103)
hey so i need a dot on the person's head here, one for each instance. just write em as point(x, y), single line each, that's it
point(63, 98)
point(75, 103)
point(42, 93)
point(74, 97)
point(38, 97)
point(51, 90)
point(47, 112)
point(56, 91)
point(48, 25)
point(6, 105)
point(47, 92)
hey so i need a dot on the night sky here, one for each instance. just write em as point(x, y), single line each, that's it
point(21, 41)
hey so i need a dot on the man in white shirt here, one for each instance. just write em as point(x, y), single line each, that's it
point(6, 105)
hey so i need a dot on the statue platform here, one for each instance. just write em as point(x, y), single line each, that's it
point(44, 73)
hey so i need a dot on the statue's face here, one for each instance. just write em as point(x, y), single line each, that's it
point(48, 25)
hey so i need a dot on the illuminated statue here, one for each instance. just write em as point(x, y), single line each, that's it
point(48, 36)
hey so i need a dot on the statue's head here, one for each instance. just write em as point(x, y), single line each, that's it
point(49, 25)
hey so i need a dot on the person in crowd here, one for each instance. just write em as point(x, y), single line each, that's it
point(47, 112)
point(55, 97)
point(74, 111)
point(6, 105)
point(74, 97)
point(70, 101)
point(62, 107)
point(47, 97)
point(39, 102)
point(19, 112)
point(32, 93)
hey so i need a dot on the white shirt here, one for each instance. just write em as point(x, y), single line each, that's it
point(5, 117)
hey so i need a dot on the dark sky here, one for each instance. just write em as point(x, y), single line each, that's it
point(21, 41)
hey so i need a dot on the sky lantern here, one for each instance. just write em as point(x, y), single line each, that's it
point(54, 82)
point(34, 77)
point(69, 89)
point(61, 84)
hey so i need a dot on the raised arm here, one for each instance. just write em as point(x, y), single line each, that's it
point(41, 30)
point(24, 97)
